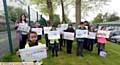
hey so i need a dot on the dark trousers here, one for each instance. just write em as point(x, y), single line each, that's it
point(54, 48)
point(39, 37)
point(69, 46)
point(23, 41)
point(47, 40)
point(61, 43)
point(80, 48)
point(90, 44)
point(86, 43)
point(101, 47)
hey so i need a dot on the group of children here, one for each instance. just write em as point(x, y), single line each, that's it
point(29, 39)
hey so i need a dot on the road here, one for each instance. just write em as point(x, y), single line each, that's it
point(4, 45)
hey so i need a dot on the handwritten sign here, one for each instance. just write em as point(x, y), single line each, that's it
point(35, 53)
point(68, 35)
point(81, 33)
point(92, 35)
point(102, 33)
point(47, 29)
point(23, 28)
point(37, 30)
point(54, 35)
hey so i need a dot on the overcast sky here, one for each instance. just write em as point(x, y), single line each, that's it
point(114, 6)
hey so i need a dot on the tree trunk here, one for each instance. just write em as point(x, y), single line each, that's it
point(78, 11)
point(50, 11)
point(63, 13)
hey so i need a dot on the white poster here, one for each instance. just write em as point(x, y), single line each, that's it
point(81, 33)
point(54, 35)
point(47, 29)
point(23, 28)
point(35, 53)
point(102, 33)
point(92, 35)
point(64, 26)
point(68, 35)
point(37, 30)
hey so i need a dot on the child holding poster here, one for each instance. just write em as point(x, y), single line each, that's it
point(69, 42)
point(37, 25)
point(101, 42)
point(54, 44)
point(32, 41)
point(80, 41)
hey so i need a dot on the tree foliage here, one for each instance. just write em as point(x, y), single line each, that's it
point(14, 13)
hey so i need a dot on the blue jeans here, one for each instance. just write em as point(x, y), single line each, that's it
point(54, 48)
point(80, 47)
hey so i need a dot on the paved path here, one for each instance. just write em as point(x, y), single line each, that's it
point(4, 45)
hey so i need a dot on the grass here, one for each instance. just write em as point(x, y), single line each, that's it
point(113, 57)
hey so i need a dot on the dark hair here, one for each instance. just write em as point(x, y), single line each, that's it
point(30, 33)
point(81, 23)
point(102, 27)
point(20, 20)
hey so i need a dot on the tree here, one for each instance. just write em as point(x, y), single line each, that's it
point(98, 19)
point(50, 11)
point(113, 17)
point(14, 13)
point(63, 13)
point(56, 19)
point(78, 11)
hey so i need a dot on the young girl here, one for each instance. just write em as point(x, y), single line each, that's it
point(23, 35)
point(32, 41)
point(101, 42)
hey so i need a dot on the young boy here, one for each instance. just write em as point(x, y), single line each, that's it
point(32, 41)
point(80, 41)
point(54, 44)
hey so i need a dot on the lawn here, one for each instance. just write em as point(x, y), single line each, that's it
point(113, 57)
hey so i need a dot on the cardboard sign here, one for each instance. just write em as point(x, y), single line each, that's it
point(47, 29)
point(102, 33)
point(35, 53)
point(64, 26)
point(23, 28)
point(81, 33)
point(92, 35)
point(68, 35)
point(53, 35)
point(37, 30)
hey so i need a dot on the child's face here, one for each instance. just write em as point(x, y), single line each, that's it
point(33, 37)
point(82, 25)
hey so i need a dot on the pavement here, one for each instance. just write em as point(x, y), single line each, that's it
point(4, 43)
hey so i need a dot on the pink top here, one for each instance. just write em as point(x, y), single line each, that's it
point(102, 40)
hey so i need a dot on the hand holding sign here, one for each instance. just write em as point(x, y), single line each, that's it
point(68, 36)
point(23, 28)
point(35, 53)
point(102, 33)
point(37, 30)
point(47, 29)
point(81, 33)
point(54, 35)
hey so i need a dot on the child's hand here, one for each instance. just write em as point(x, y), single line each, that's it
point(18, 53)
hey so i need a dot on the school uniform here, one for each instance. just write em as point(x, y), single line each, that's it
point(69, 42)
point(80, 43)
